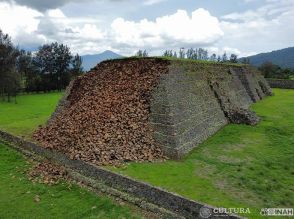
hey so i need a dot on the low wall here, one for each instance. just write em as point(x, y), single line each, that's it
point(172, 202)
point(281, 83)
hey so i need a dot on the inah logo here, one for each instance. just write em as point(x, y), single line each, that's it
point(277, 211)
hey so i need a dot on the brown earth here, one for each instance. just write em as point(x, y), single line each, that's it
point(106, 118)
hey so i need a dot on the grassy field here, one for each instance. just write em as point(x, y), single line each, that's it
point(30, 111)
point(18, 195)
point(240, 166)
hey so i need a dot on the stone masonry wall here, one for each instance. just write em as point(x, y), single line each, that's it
point(194, 101)
point(254, 83)
point(278, 83)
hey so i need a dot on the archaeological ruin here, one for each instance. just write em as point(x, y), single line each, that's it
point(147, 109)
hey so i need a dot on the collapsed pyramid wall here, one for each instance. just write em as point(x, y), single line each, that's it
point(194, 101)
point(103, 118)
point(140, 109)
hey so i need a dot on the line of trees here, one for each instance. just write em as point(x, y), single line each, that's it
point(197, 54)
point(50, 68)
point(9, 77)
point(142, 53)
point(200, 54)
point(270, 70)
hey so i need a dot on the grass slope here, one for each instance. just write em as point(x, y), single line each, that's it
point(240, 166)
point(17, 195)
point(30, 111)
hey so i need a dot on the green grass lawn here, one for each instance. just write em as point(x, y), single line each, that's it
point(17, 195)
point(30, 111)
point(240, 166)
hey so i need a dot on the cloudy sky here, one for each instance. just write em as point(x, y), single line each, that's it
point(243, 27)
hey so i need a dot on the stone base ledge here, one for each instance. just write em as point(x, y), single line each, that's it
point(146, 196)
point(281, 83)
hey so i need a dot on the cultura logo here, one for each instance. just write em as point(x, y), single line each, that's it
point(205, 212)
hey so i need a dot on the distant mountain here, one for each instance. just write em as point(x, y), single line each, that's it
point(90, 61)
point(283, 58)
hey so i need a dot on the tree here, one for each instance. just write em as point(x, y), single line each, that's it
point(195, 54)
point(233, 58)
point(205, 55)
point(169, 53)
point(245, 61)
point(25, 67)
point(53, 63)
point(77, 68)
point(9, 77)
point(182, 53)
point(175, 55)
point(213, 57)
point(200, 54)
point(24, 62)
point(219, 59)
point(142, 53)
point(145, 53)
point(13, 84)
point(190, 53)
point(139, 53)
point(270, 70)
point(225, 57)
point(285, 73)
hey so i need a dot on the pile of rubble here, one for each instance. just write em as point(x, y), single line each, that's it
point(242, 116)
point(105, 120)
point(47, 173)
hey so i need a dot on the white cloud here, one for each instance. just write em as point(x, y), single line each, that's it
point(13, 18)
point(20, 23)
point(82, 37)
point(87, 36)
point(46, 4)
point(170, 31)
point(55, 13)
point(264, 29)
point(30, 28)
point(153, 2)
point(222, 50)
